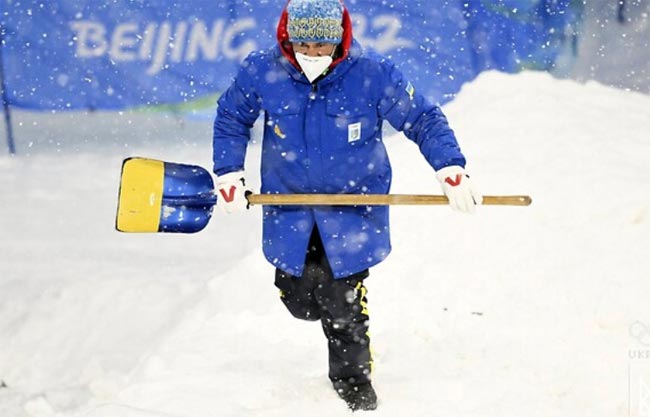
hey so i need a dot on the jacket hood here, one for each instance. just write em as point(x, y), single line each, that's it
point(285, 45)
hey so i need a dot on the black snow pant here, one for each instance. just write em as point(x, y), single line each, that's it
point(339, 304)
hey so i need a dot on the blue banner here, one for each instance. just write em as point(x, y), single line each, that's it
point(67, 54)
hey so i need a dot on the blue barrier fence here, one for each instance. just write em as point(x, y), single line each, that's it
point(81, 54)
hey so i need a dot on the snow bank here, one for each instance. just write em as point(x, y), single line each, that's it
point(510, 312)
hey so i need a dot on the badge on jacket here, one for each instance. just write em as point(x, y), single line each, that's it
point(354, 132)
point(279, 132)
point(410, 90)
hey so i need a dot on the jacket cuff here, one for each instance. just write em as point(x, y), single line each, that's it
point(225, 170)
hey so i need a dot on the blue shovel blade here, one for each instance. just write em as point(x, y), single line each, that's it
point(187, 200)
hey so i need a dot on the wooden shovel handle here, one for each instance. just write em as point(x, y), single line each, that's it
point(376, 199)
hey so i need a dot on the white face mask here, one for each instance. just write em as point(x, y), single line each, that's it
point(313, 66)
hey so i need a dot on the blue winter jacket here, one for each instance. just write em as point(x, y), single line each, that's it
point(326, 138)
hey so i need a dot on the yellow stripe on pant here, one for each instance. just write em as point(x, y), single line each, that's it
point(364, 310)
point(141, 191)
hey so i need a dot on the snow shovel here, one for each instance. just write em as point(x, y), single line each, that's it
point(157, 196)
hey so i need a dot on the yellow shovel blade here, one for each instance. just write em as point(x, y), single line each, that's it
point(141, 193)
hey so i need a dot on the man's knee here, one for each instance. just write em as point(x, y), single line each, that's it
point(300, 310)
point(344, 300)
point(297, 297)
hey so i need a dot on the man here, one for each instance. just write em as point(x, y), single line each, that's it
point(324, 101)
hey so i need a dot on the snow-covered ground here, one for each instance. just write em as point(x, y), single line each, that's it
point(510, 312)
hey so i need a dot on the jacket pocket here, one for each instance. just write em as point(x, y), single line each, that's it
point(283, 149)
point(283, 124)
point(349, 123)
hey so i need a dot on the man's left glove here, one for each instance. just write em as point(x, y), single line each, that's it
point(459, 189)
point(231, 192)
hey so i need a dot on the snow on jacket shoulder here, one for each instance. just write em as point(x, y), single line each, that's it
point(326, 138)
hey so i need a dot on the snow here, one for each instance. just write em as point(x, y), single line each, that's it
point(512, 311)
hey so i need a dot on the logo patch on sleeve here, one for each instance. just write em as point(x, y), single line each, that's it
point(410, 90)
point(279, 132)
point(354, 132)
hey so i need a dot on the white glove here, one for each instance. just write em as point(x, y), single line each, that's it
point(231, 192)
point(459, 189)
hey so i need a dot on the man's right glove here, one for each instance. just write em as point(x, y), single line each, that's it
point(459, 189)
point(231, 192)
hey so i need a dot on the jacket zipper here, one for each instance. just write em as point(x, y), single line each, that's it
point(312, 123)
point(314, 90)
